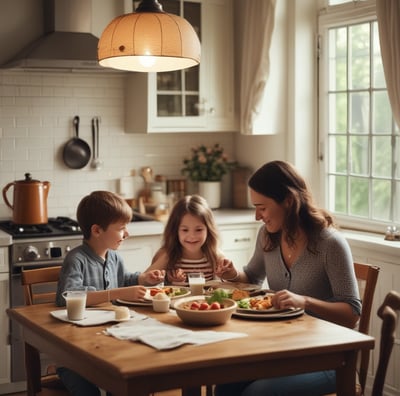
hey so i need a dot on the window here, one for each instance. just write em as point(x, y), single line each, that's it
point(361, 140)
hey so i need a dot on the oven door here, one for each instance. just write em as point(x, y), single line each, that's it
point(17, 342)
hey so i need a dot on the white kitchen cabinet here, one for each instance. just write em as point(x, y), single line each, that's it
point(138, 251)
point(238, 242)
point(198, 99)
point(5, 349)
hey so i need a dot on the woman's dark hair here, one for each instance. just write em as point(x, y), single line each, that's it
point(102, 208)
point(280, 181)
point(196, 206)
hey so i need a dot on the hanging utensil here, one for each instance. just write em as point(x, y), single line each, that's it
point(76, 153)
point(96, 162)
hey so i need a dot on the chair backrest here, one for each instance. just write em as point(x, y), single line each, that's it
point(367, 276)
point(389, 313)
point(40, 284)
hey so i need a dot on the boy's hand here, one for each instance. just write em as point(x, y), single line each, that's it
point(153, 277)
point(138, 293)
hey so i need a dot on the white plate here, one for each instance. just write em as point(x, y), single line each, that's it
point(273, 315)
point(184, 290)
point(93, 317)
point(137, 303)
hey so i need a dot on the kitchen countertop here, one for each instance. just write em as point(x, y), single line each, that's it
point(5, 239)
point(144, 228)
point(222, 217)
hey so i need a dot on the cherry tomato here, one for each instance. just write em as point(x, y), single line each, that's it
point(215, 305)
point(204, 306)
point(154, 291)
point(195, 305)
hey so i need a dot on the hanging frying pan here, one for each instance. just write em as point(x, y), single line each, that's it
point(76, 152)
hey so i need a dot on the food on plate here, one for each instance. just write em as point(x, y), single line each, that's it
point(170, 291)
point(239, 294)
point(122, 313)
point(256, 303)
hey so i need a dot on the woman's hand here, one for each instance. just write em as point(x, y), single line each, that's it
point(225, 269)
point(176, 276)
point(153, 277)
point(285, 299)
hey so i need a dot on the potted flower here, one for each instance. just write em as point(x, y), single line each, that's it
point(207, 166)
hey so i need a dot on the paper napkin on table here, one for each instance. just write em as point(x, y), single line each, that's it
point(162, 336)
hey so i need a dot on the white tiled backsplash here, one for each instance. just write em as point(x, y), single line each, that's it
point(36, 112)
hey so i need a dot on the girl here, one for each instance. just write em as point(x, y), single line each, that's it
point(190, 242)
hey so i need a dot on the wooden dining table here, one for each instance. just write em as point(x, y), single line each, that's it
point(122, 367)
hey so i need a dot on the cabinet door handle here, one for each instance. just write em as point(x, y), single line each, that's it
point(241, 240)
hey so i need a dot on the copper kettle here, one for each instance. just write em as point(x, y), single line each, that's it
point(29, 200)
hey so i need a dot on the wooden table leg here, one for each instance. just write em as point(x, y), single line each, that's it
point(33, 370)
point(346, 376)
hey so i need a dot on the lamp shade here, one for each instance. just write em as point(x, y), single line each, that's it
point(149, 41)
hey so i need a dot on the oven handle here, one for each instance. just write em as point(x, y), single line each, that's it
point(18, 267)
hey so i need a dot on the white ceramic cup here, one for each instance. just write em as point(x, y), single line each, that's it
point(76, 304)
point(161, 305)
point(196, 283)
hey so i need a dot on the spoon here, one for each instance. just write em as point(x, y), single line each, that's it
point(96, 162)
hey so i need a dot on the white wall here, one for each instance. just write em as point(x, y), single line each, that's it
point(36, 112)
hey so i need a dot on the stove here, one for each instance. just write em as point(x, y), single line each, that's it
point(34, 246)
point(57, 226)
point(42, 244)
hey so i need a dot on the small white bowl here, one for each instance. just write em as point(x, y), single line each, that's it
point(209, 317)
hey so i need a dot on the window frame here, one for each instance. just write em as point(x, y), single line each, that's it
point(334, 17)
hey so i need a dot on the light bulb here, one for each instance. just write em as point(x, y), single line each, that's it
point(147, 60)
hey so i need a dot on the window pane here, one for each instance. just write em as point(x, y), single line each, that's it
point(378, 76)
point(338, 195)
point(359, 155)
point(382, 113)
point(381, 193)
point(359, 112)
point(337, 59)
point(396, 217)
point(358, 197)
point(359, 56)
point(381, 156)
point(169, 105)
point(397, 158)
point(338, 113)
point(338, 162)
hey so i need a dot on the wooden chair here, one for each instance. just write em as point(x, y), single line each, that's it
point(389, 313)
point(367, 277)
point(39, 288)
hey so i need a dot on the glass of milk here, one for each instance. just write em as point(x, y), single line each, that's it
point(196, 283)
point(76, 304)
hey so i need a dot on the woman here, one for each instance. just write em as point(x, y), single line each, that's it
point(305, 260)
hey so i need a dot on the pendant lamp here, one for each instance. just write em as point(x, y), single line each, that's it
point(149, 40)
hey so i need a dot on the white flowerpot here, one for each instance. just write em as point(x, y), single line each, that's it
point(211, 192)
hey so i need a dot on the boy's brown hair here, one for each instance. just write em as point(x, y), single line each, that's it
point(102, 208)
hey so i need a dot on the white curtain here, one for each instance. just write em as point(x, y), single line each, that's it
point(388, 12)
point(258, 24)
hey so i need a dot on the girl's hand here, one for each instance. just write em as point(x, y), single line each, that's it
point(138, 292)
point(225, 269)
point(176, 276)
point(153, 277)
point(284, 299)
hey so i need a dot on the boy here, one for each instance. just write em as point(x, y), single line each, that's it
point(97, 267)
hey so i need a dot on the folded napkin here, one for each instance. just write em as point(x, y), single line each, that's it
point(162, 336)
